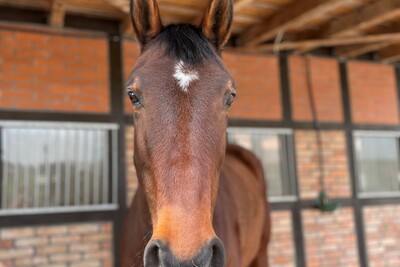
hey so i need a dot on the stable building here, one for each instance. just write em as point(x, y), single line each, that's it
point(318, 101)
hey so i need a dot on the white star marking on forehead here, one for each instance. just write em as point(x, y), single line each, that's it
point(184, 75)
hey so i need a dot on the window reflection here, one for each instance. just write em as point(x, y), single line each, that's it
point(54, 167)
point(272, 149)
point(378, 164)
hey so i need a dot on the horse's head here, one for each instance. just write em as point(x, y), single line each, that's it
point(181, 92)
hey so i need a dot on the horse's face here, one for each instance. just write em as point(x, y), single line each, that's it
point(181, 93)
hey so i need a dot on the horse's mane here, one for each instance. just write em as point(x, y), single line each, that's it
point(187, 43)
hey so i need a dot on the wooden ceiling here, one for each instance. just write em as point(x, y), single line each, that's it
point(352, 28)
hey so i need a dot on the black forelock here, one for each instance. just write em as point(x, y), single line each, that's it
point(187, 43)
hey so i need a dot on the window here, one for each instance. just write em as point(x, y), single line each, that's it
point(53, 167)
point(274, 149)
point(377, 162)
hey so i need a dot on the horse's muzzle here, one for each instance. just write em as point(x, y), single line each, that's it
point(158, 254)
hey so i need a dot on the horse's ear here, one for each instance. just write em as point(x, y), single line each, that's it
point(146, 20)
point(217, 22)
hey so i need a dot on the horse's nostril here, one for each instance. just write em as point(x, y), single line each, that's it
point(212, 255)
point(151, 254)
point(218, 253)
point(158, 253)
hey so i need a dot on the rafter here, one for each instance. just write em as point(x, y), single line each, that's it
point(127, 28)
point(353, 51)
point(365, 18)
point(298, 45)
point(240, 4)
point(57, 14)
point(293, 16)
point(360, 20)
point(121, 4)
point(390, 54)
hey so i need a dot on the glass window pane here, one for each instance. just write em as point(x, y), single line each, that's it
point(271, 150)
point(55, 167)
point(378, 164)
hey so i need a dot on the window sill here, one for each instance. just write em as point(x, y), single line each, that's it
point(52, 210)
point(378, 195)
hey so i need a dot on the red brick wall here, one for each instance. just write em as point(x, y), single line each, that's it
point(373, 93)
point(131, 52)
point(53, 72)
point(72, 245)
point(330, 238)
point(382, 234)
point(325, 82)
point(281, 250)
point(257, 85)
point(337, 177)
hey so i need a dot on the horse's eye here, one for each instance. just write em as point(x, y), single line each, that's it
point(134, 98)
point(230, 99)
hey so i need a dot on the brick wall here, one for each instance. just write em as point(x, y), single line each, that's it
point(373, 93)
point(382, 234)
point(281, 252)
point(53, 72)
point(330, 238)
point(337, 177)
point(325, 84)
point(257, 85)
point(56, 72)
point(73, 245)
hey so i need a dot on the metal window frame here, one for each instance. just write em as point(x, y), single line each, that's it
point(285, 137)
point(374, 134)
point(111, 202)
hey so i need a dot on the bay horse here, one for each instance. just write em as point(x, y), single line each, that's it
point(200, 202)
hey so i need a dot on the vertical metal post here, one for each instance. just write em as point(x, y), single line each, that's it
point(78, 165)
point(117, 114)
point(298, 235)
point(114, 134)
point(58, 160)
point(106, 161)
point(357, 209)
point(96, 162)
point(36, 182)
point(69, 152)
point(26, 166)
point(88, 155)
point(285, 88)
point(47, 168)
point(16, 154)
point(3, 172)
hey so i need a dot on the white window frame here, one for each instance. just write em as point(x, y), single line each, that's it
point(290, 156)
point(377, 134)
point(113, 185)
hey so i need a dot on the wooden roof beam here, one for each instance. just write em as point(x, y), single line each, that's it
point(332, 42)
point(57, 14)
point(240, 4)
point(121, 4)
point(367, 17)
point(127, 28)
point(293, 16)
point(390, 54)
point(358, 50)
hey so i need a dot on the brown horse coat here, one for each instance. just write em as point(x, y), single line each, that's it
point(199, 203)
point(241, 218)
